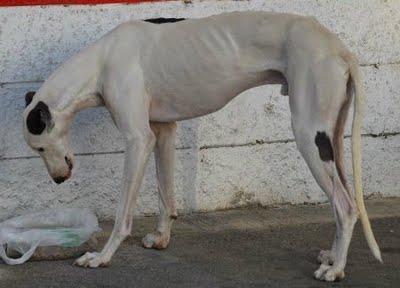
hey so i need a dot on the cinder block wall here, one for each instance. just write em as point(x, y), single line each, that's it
point(243, 154)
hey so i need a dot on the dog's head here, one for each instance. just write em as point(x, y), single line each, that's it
point(47, 134)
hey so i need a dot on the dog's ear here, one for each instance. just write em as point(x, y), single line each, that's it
point(39, 118)
point(28, 97)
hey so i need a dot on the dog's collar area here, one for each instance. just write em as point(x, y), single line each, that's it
point(164, 20)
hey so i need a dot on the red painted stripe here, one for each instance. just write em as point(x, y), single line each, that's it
point(68, 2)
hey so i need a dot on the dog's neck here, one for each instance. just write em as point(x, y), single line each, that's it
point(75, 85)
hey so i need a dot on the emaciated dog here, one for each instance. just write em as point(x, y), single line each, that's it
point(150, 76)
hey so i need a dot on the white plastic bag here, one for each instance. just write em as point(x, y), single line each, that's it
point(67, 227)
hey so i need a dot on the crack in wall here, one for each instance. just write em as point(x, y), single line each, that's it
point(377, 65)
point(383, 135)
point(3, 84)
point(10, 83)
point(256, 142)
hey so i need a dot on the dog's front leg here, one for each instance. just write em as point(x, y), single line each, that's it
point(164, 153)
point(137, 154)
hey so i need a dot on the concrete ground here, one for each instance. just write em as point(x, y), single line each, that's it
point(252, 247)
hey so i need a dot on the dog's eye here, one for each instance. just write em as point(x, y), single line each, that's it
point(40, 149)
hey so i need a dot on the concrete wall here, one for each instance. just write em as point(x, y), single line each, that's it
point(240, 155)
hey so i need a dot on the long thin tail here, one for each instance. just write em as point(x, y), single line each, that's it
point(356, 154)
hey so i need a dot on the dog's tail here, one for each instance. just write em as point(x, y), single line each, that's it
point(359, 96)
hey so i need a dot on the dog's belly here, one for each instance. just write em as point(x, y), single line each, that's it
point(181, 109)
point(190, 101)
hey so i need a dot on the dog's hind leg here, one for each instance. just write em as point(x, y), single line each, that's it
point(319, 102)
point(164, 153)
point(327, 257)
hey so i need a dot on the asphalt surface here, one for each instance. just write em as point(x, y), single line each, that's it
point(252, 247)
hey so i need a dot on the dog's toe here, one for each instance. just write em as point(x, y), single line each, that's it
point(333, 275)
point(328, 273)
point(156, 240)
point(91, 260)
point(318, 274)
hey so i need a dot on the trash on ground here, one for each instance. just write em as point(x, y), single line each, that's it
point(60, 234)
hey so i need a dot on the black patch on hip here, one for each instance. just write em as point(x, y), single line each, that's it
point(38, 118)
point(28, 97)
point(164, 20)
point(324, 146)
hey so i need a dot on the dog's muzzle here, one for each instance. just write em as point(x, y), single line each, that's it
point(61, 179)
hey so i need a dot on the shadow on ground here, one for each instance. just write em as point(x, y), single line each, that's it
point(255, 247)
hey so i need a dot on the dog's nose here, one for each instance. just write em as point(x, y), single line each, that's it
point(59, 180)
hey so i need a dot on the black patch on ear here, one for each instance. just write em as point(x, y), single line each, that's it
point(164, 20)
point(324, 146)
point(38, 118)
point(28, 97)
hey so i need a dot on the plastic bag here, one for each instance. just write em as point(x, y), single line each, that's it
point(67, 227)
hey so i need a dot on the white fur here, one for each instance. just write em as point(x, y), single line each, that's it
point(150, 76)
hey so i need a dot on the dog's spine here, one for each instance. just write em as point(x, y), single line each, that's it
point(359, 95)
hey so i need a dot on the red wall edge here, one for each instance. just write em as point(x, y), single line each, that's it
point(67, 2)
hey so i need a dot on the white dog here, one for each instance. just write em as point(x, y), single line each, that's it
point(150, 76)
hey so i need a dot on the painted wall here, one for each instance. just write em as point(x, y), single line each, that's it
point(243, 154)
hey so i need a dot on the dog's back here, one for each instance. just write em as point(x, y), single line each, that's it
point(213, 59)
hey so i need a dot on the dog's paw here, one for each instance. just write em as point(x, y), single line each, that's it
point(91, 260)
point(156, 240)
point(325, 257)
point(328, 273)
